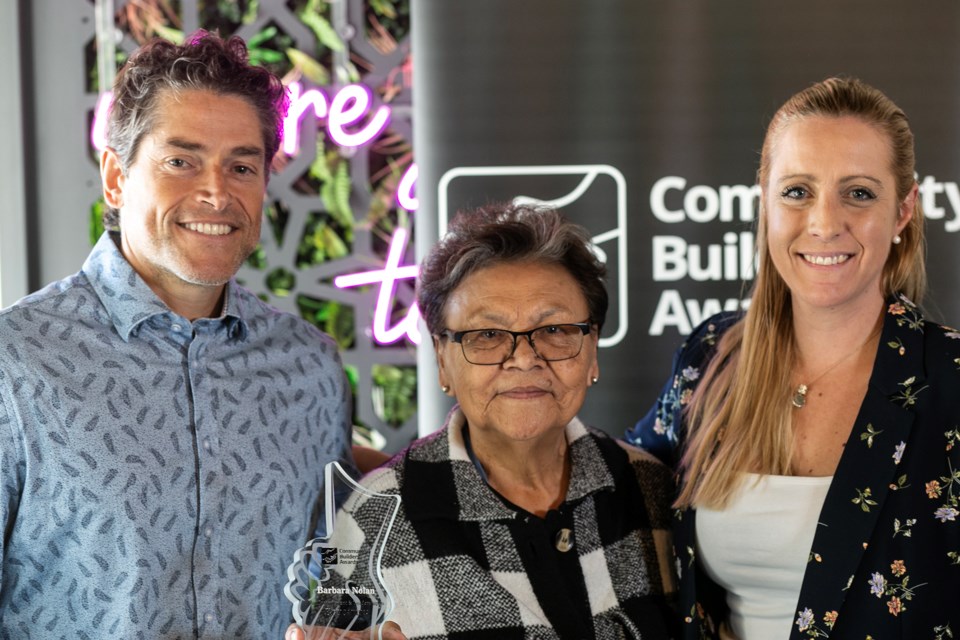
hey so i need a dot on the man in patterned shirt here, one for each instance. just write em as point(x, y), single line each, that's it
point(163, 433)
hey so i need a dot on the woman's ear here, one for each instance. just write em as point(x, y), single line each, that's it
point(442, 376)
point(594, 371)
point(907, 207)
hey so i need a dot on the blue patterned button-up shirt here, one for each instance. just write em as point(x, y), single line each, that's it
point(157, 474)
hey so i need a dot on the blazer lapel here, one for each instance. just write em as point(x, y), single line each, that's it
point(867, 473)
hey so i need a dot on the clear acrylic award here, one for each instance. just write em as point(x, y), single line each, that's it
point(334, 582)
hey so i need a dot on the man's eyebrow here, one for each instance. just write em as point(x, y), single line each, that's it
point(247, 151)
point(186, 145)
point(189, 145)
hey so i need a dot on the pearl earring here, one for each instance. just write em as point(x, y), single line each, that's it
point(445, 389)
point(896, 239)
point(594, 379)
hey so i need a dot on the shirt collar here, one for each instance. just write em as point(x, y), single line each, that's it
point(475, 500)
point(129, 300)
point(235, 309)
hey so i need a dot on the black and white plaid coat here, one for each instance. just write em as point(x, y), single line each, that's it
point(453, 559)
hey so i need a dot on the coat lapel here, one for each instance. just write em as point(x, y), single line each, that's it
point(867, 474)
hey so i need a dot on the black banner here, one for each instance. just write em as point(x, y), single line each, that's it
point(644, 121)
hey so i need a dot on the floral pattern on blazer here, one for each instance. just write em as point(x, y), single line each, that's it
point(885, 561)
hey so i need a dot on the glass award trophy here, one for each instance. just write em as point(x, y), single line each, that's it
point(334, 582)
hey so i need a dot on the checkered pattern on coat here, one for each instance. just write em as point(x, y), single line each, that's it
point(452, 564)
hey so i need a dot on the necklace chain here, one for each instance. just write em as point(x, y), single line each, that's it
point(799, 399)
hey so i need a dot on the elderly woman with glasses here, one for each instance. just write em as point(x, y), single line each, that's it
point(516, 519)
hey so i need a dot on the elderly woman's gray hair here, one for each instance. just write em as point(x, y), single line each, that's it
point(501, 233)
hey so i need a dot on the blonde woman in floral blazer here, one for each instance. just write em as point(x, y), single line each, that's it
point(886, 558)
point(817, 435)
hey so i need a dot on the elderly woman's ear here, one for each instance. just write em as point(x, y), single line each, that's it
point(593, 373)
point(442, 374)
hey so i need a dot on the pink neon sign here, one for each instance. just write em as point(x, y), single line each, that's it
point(407, 188)
point(98, 132)
point(349, 107)
point(387, 279)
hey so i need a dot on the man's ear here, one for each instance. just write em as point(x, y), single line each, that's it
point(111, 175)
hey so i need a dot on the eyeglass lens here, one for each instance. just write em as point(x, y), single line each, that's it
point(494, 346)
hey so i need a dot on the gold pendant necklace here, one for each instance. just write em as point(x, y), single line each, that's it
point(799, 399)
point(800, 396)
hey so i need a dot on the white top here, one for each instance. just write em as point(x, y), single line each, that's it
point(758, 547)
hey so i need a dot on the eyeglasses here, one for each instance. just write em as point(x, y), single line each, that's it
point(550, 342)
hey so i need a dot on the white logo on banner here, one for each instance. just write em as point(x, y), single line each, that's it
point(605, 230)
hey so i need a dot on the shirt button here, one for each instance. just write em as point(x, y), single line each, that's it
point(208, 617)
point(206, 444)
point(177, 328)
point(208, 531)
point(564, 540)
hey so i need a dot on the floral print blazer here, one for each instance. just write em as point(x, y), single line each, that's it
point(885, 561)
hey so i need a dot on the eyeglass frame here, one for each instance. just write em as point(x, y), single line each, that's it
point(457, 337)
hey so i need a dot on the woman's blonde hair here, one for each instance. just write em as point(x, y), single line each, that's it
point(740, 414)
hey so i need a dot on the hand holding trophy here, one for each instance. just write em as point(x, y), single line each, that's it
point(388, 631)
point(334, 581)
